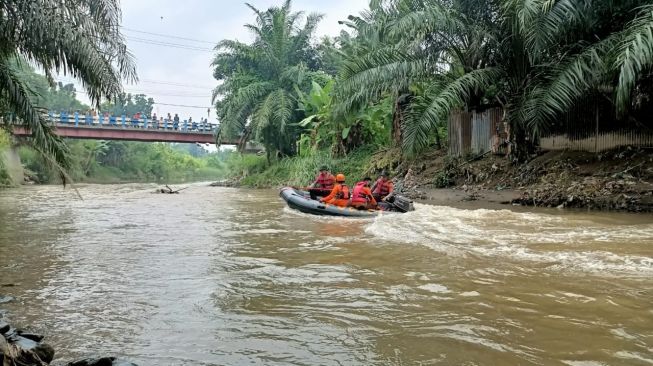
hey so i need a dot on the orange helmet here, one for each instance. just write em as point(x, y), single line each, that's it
point(340, 178)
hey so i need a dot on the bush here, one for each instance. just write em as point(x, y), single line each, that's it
point(296, 171)
point(447, 176)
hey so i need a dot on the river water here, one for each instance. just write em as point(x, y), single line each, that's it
point(218, 276)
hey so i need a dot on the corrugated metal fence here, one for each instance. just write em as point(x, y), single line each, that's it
point(477, 132)
point(591, 126)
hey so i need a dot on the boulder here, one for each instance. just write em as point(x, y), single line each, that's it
point(32, 336)
point(4, 348)
point(123, 363)
point(31, 352)
point(4, 327)
point(104, 361)
point(44, 351)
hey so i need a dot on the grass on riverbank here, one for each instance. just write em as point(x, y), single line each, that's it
point(254, 171)
point(5, 177)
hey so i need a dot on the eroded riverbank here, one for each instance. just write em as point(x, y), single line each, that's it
point(231, 276)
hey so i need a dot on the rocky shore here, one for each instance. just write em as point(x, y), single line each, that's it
point(226, 183)
point(617, 180)
point(20, 347)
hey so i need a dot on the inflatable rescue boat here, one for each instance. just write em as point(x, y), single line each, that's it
point(301, 201)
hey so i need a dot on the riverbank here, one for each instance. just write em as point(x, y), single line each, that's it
point(616, 180)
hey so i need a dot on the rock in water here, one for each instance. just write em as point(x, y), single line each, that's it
point(123, 363)
point(4, 348)
point(32, 336)
point(45, 352)
point(104, 361)
point(4, 327)
point(30, 352)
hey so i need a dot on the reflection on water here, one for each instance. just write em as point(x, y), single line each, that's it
point(218, 276)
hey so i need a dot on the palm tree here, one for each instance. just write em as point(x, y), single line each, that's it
point(256, 95)
point(81, 38)
point(535, 58)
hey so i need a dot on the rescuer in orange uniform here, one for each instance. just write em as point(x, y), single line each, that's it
point(323, 183)
point(362, 197)
point(383, 187)
point(339, 195)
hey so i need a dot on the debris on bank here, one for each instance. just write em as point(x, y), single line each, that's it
point(169, 190)
point(612, 180)
point(232, 183)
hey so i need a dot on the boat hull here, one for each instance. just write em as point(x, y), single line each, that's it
point(301, 201)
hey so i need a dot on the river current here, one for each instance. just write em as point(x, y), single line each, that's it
point(219, 276)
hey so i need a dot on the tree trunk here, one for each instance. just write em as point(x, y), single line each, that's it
point(522, 147)
point(398, 117)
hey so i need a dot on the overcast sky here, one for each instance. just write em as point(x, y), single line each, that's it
point(174, 75)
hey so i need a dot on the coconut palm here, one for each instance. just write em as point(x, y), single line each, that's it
point(80, 38)
point(256, 95)
point(536, 58)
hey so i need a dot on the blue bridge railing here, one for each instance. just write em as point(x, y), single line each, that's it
point(110, 121)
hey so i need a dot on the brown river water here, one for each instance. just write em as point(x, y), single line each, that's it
point(219, 276)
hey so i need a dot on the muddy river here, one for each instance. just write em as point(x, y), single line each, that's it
point(219, 276)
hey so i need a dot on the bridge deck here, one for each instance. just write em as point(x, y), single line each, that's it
point(122, 128)
point(130, 134)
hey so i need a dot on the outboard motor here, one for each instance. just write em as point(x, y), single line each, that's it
point(402, 204)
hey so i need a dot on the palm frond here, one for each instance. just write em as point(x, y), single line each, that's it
point(560, 86)
point(634, 55)
point(44, 139)
point(365, 78)
point(542, 23)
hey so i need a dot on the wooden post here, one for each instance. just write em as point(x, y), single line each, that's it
point(596, 136)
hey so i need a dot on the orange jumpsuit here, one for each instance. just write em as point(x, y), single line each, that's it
point(339, 196)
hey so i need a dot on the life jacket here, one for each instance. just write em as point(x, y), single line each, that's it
point(382, 188)
point(358, 196)
point(344, 193)
point(325, 181)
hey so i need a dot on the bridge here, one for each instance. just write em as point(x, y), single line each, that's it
point(107, 127)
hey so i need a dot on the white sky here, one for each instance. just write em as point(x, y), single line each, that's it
point(159, 66)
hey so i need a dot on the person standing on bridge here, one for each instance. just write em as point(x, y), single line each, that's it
point(175, 124)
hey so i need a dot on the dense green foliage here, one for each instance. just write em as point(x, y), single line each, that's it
point(391, 78)
point(298, 170)
point(402, 66)
point(81, 38)
point(535, 59)
point(118, 161)
point(129, 104)
point(256, 97)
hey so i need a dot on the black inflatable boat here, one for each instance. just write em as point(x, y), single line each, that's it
point(301, 201)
